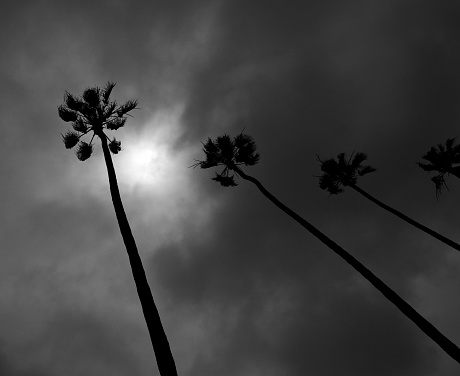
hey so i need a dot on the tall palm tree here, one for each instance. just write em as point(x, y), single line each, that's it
point(94, 113)
point(443, 160)
point(345, 172)
point(232, 153)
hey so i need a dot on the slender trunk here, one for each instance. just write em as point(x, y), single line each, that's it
point(160, 343)
point(449, 347)
point(407, 219)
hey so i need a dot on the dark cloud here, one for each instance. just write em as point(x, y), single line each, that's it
point(242, 289)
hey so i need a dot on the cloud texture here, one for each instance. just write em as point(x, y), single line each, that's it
point(241, 288)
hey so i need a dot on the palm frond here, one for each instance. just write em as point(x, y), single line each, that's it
point(225, 181)
point(245, 150)
point(335, 190)
point(109, 109)
point(358, 159)
point(115, 123)
point(107, 91)
point(127, 107)
point(72, 102)
point(252, 159)
point(84, 151)
point(206, 164)
point(427, 167)
point(115, 146)
point(327, 183)
point(67, 114)
point(92, 96)
point(330, 166)
point(449, 143)
point(213, 157)
point(366, 170)
point(89, 112)
point(439, 183)
point(80, 126)
point(226, 148)
point(70, 139)
point(342, 162)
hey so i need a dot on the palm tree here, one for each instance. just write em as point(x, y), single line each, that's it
point(232, 153)
point(93, 113)
point(345, 172)
point(444, 160)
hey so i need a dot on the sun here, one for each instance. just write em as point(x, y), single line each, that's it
point(143, 164)
point(148, 163)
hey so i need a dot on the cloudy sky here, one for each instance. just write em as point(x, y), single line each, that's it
point(242, 289)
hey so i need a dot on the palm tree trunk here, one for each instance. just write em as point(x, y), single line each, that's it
point(407, 219)
point(163, 354)
point(449, 347)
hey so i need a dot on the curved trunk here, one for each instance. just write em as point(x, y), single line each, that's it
point(160, 343)
point(449, 347)
point(404, 217)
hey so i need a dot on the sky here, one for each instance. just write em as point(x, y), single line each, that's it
point(241, 288)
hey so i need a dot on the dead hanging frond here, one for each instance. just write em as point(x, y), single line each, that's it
point(440, 184)
point(115, 146)
point(70, 139)
point(84, 151)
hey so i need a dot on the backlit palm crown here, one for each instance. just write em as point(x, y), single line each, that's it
point(230, 153)
point(443, 160)
point(342, 172)
point(93, 112)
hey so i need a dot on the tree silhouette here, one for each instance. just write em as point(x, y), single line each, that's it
point(93, 113)
point(345, 172)
point(231, 153)
point(443, 160)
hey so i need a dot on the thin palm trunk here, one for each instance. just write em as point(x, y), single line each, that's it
point(160, 343)
point(404, 217)
point(448, 346)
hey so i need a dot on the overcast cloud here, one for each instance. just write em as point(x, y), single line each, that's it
point(242, 289)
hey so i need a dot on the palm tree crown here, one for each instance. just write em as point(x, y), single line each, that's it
point(230, 153)
point(443, 160)
point(342, 172)
point(93, 112)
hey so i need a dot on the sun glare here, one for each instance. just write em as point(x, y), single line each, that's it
point(146, 161)
point(143, 164)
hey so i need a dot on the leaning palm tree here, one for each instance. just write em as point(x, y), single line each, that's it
point(94, 113)
point(345, 172)
point(443, 160)
point(232, 153)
